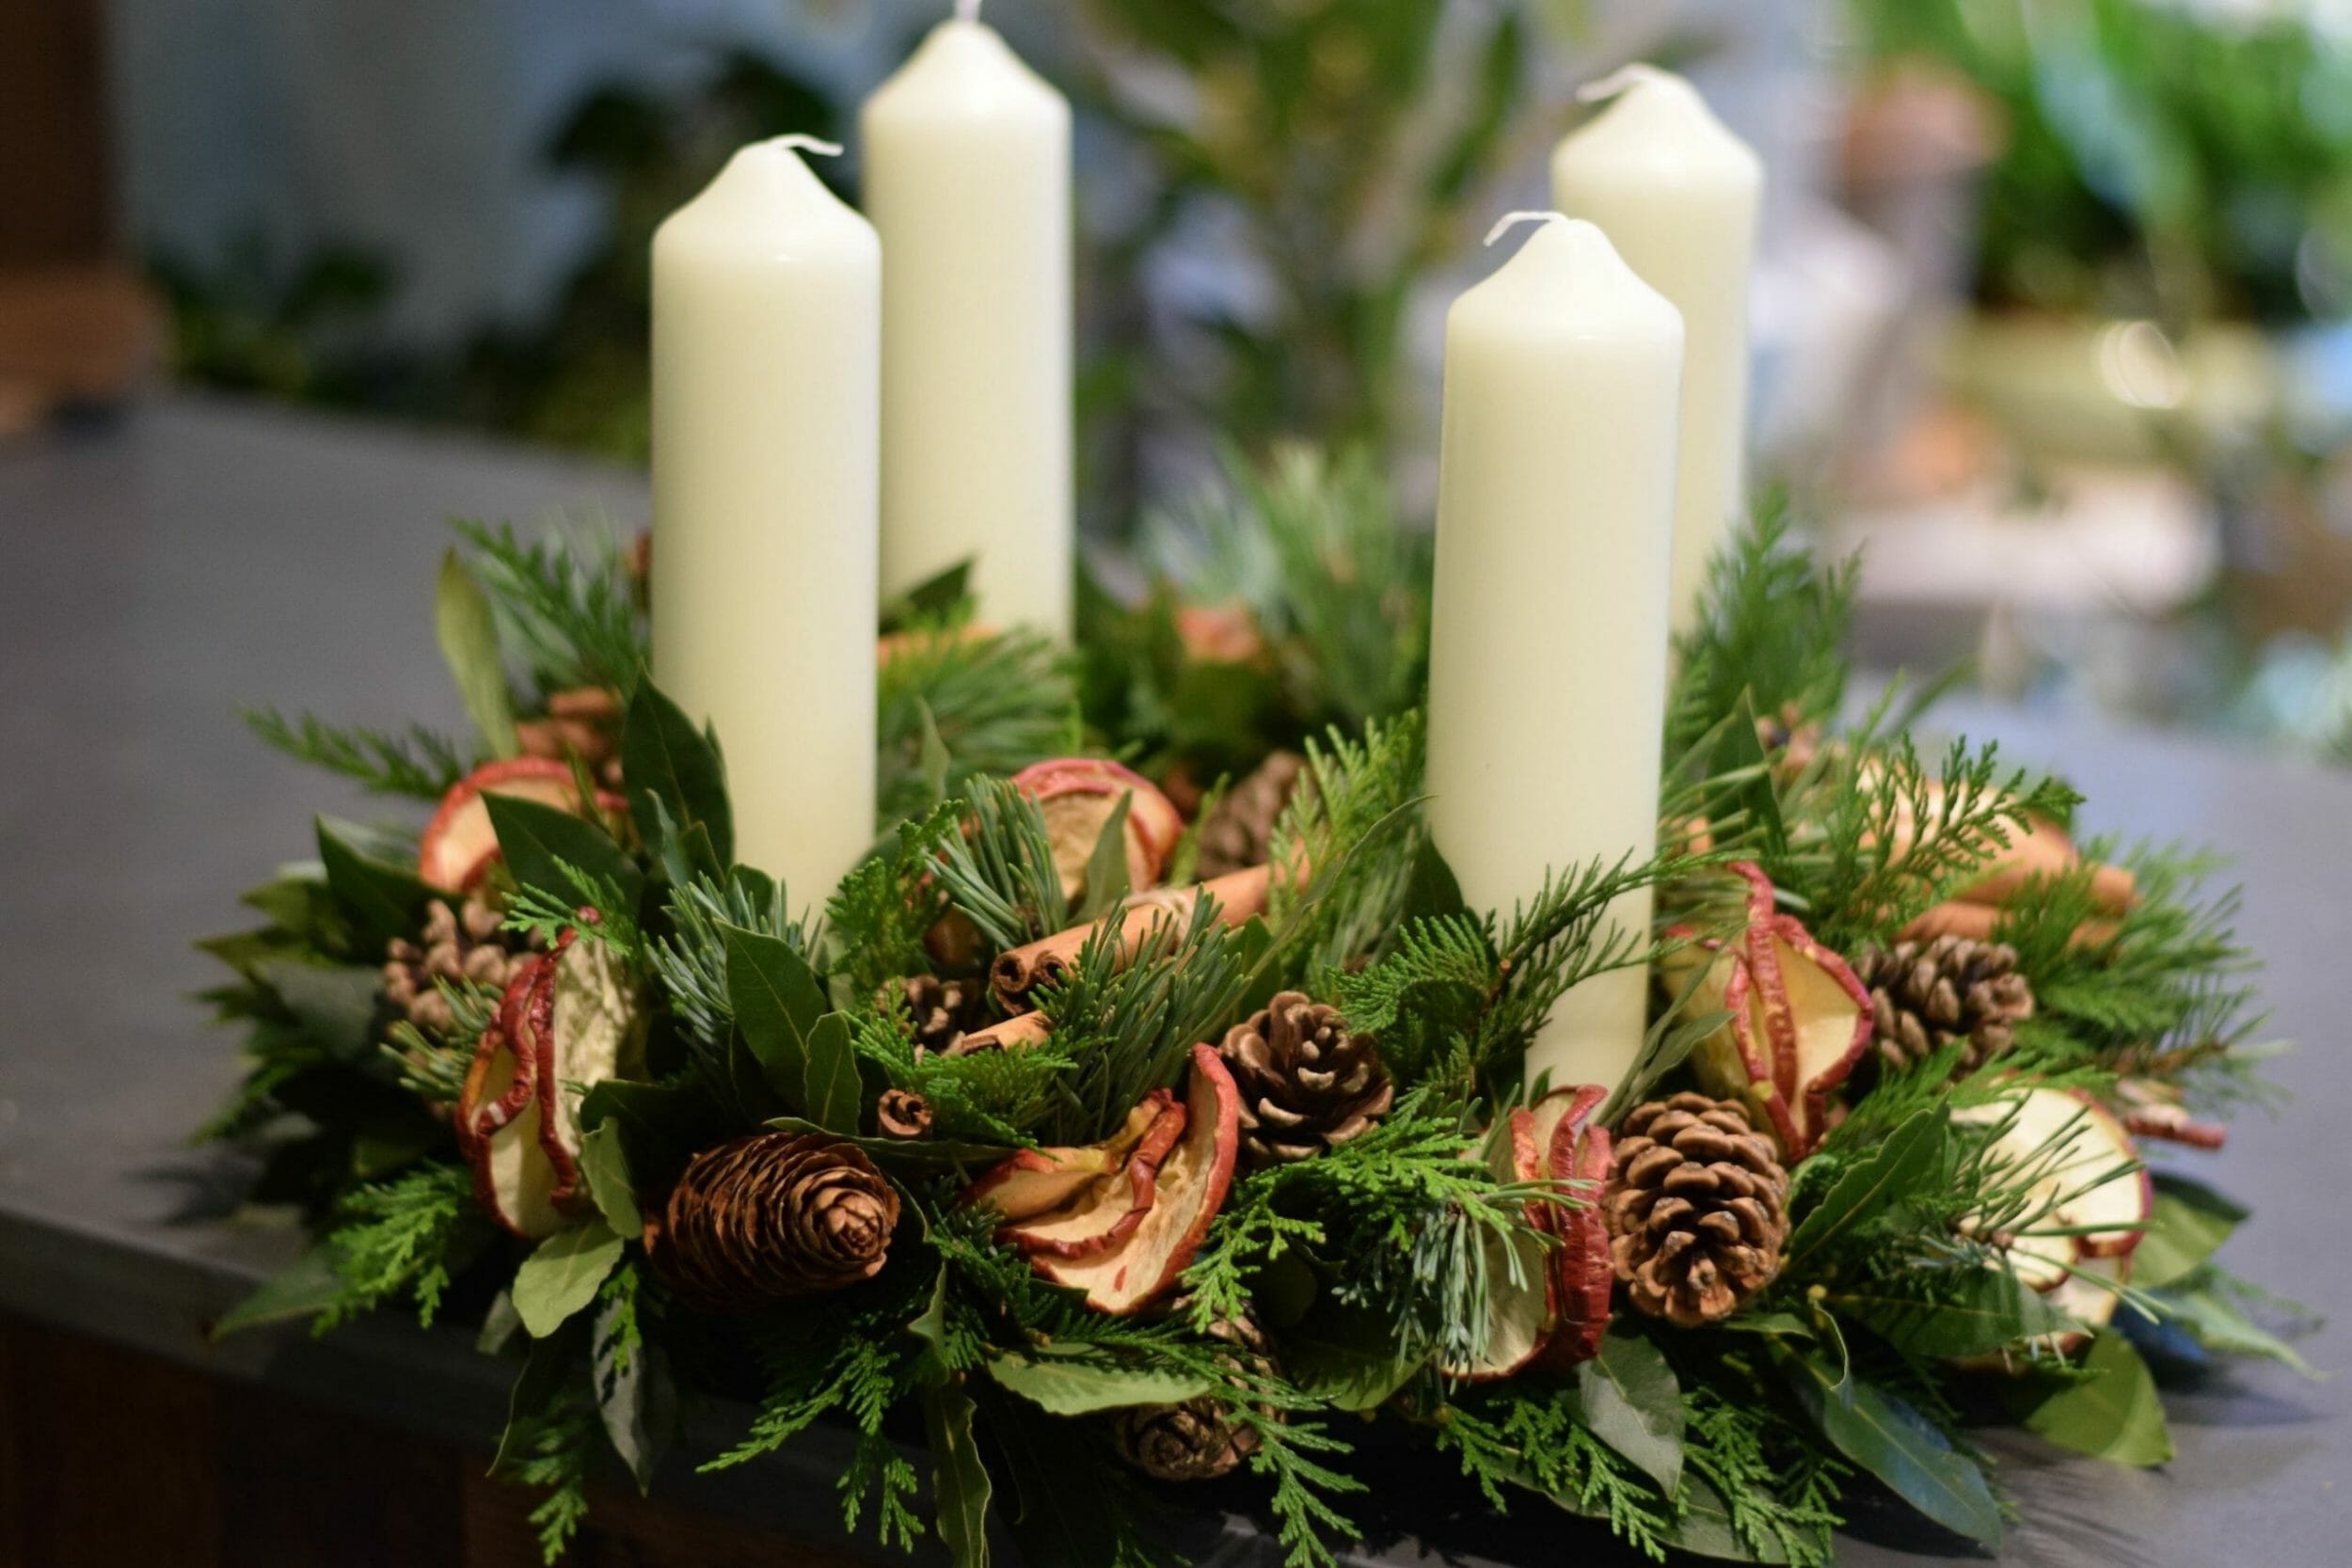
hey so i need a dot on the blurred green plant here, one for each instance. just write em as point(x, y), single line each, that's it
point(2161, 162)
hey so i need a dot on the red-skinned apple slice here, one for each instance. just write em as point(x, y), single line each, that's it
point(459, 843)
point(1111, 1210)
point(595, 1030)
point(1189, 1190)
point(1583, 1279)
point(1519, 1281)
point(1800, 1020)
point(1036, 1181)
point(1077, 795)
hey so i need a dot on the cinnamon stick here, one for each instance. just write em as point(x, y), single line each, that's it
point(1974, 921)
point(1241, 897)
point(1017, 1033)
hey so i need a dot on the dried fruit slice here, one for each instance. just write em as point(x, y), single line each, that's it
point(459, 843)
point(1108, 1212)
point(1037, 1180)
point(1800, 1020)
point(1519, 1279)
point(1077, 795)
point(568, 1020)
point(1189, 1190)
point(1577, 1156)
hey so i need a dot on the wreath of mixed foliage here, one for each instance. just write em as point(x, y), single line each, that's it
point(570, 982)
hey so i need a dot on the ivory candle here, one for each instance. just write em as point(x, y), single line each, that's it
point(1547, 652)
point(967, 179)
point(1678, 195)
point(766, 363)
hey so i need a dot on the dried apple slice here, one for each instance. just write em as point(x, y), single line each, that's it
point(1577, 1156)
point(1189, 1190)
point(1800, 1020)
point(1034, 1181)
point(1110, 1209)
point(569, 1019)
point(1077, 795)
point(459, 843)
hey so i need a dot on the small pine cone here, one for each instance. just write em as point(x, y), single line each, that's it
point(460, 945)
point(1199, 1439)
point(944, 1009)
point(1307, 1082)
point(771, 1217)
point(1696, 1209)
point(1238, 832)
point(1926, 994)
point(903, 1113)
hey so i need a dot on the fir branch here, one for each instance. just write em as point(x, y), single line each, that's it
point(692, 961)
point(1525, 1435)
point(1344, 848)
point(999, 871)
point(992, 1096)
point(544, 916)
point(420, 764)
point(879, 914)
point(996, 701)
point(569, 606)
point(397, 1240)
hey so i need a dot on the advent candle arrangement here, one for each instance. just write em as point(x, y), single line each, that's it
point(1548, 651)
point(767, 370)
point(1678, 195)
point(967, 179)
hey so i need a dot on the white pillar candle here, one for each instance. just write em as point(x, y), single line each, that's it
point(767, 365)
point(967, 179)
point(1547, 653)
point(1678, 195)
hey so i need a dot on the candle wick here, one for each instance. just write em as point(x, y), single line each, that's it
point(800, 142)
point(1512, 220)
point(967, 11)
point(1620, 79)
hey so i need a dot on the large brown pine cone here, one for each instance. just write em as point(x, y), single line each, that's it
point(1238, 832)
point(457, 946)
point(771, 1217)
point(1696, 1209)
point(1307, 1082)
point(1199, 1439)
point(1926, 994)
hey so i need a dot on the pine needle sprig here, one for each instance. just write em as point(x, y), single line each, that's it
point(1000, 870)
point(692, 961)
point(420, 763)
point(1344, 848)
point(877, 919)
point(569, 605)
point(995, 702)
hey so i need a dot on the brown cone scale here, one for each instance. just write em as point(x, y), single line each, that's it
point(1926, 994)
point(1307, 1083)
point(773, 1217)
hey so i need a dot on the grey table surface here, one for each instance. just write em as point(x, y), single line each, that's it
point(200, 554)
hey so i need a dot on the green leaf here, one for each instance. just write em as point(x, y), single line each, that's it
point(635, 1399)
point(1951, 1314)
point(1106, 865)
point(803, 1051)
point(2113, 1414)
point(909, 1156)
point(958, 1479)
point(2188, 1226)
point(604, 1165)
point(1079, 1380)
point(2208, 1317)
point(467, 632)
point(1705, 1528)
point(1628, 1397)
point(499, 1324)
point(931, 758)
point(1912, 1155)
point(1768, 1322)
point(939, 595)
point(1895, 1443)
point(333, 1004)
point(1346, 1357)
point(381, 901)
point(534, 837)
point(560, 1276)
point(666, 759)
point(545, 1368)
point(303, 1288)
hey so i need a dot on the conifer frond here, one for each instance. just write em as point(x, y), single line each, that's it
point(877, 918)
point(1772, 629)
point(692, 961)
point(1000, 871)
point(419, 763)
point(566, 605)
point(996, 701)
point(397, 1240)
point(1344, 848)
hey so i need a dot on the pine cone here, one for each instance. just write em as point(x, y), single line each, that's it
point(944, 1009)
point(1695, 1207)
point(1238, 832)
point(903, 1113)
point(1307, 1082)
point(1199, 1439)
point(1926, 994)
point(771, 1217)
point(457, 946)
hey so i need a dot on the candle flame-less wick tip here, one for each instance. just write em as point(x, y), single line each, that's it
point(800, 142)
point(1509, 221)
point(1620, 79)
